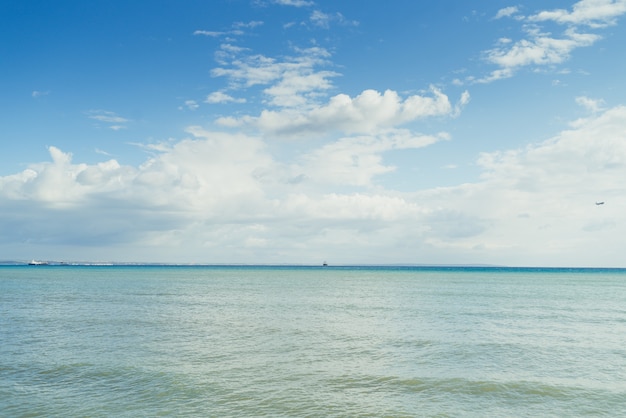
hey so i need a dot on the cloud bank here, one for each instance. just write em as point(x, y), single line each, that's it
point(219, 197)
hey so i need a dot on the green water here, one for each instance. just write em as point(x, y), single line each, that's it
point(311, 342)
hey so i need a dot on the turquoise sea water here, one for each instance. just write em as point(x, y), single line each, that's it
point(311, 342)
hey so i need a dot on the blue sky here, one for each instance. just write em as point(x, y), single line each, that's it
point(297, 131)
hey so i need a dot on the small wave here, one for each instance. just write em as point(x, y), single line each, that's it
point(461, 387)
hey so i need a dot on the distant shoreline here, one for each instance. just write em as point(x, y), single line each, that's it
point(434, 267)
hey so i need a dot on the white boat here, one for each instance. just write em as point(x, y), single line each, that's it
point(37, 263)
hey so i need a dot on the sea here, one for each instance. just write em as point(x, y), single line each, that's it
point(311, 341)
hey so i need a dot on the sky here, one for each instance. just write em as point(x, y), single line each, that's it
point(304, 131)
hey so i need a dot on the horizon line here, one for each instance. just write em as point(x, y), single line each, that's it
point(55, 263)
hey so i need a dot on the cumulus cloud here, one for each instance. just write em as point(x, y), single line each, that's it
point(226, 197)
point(351, 208)
point(295, 86)
point(368, 112)
point(211, 188)
point(595, 145)
point(355, 161)
point(201, 180)
point(556, 182)
point(536, 205)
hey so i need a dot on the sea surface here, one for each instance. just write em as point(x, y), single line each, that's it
point(148, 341)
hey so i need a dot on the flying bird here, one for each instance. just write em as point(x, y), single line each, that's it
point(599, 203)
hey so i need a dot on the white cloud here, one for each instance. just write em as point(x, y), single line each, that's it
point(250, 24)
point(351, 208)
point(237, 29)
point(324, 20)
point(368, 112)
point(355, 161)
point(105, 116)
point(321, 19)
point(495, 75)
point(296, 87)
point(592, 105)
point(595, 146)
point(213, 34)
point(115, 121)
point(536, 205)
point(102, 152)
point(593, 13)
point(506, 12)
point(205, 174)
point(51, 183)
point(191, 104)
point(539, 48)
point(221, 97)
point(294, 84)
point(463, 101)
point(292, 81)
point(213, 189)
point(36, 93)
point(295, 3)
point(218, 197)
